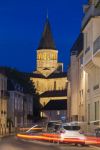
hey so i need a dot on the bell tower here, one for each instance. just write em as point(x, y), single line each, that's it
point(47, 55)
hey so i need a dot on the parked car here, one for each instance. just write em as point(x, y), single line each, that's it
point(67, 131)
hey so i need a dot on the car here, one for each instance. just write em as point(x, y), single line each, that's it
point(97, 131)
point(53, 125)
point(70, 131)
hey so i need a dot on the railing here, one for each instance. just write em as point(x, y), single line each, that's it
point(91, 12)
point(96, 45)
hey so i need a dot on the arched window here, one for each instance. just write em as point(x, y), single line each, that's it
point(44, 56)
point(54, 85)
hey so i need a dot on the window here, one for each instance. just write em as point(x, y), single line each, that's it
point(54, 85)
point(85, 37)
point(15, 103)
point(81, 60)
point(44, 56)
point(87, 41)
point(44, 104)
point(88, 112)
point(96, 109)
point(37, 84)
point(72, 127)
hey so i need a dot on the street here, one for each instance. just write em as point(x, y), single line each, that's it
point(12, 143)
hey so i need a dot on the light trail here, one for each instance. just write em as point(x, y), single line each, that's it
point(24, 129)
point(56, 138)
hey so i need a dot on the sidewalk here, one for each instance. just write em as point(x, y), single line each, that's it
point(7, 135)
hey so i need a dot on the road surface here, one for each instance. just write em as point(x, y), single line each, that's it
point(12, 143)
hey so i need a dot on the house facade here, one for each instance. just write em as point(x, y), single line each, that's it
point(91, 62)
point(3, 104)
point(76, 84)
point(84, 71)
point(20, 105)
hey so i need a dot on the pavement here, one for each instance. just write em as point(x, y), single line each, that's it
point(12, 143)
point(7, 135)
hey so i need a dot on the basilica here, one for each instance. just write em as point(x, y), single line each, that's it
point(49, 78)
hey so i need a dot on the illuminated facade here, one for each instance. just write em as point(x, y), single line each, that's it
point(76, 85)
point(49, 75)
point(84, 71)
point(91, 62)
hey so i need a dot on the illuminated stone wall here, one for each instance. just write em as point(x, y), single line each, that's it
point(43, 85)
point(47, 61)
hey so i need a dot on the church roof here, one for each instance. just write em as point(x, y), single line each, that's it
point(58, 75)
point(54, 93)
point(47, 41)
point(37, 75)
point(56, 105)
point(51, 76)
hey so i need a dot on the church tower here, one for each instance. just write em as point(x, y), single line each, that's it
point(47, 55)
point(49, 79)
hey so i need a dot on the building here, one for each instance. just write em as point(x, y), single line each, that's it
point(76, 84)
point(91, 62)
point(55, 109)
point(19, 101)
point(15, 103)
point(84, 71)
point(49, 79)
point(3, 104)
point(20, 105)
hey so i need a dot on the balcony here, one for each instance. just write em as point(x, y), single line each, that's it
point(96, 45)
point(96, 52)
point(91, 12)
point(88, 63)
point(87, 56)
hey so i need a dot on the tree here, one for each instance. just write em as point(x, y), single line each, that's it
point(23, 79)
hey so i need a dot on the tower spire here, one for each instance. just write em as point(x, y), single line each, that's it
point(47, 41)
point(47, 14)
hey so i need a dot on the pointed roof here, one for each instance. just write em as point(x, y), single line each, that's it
point(47, 41)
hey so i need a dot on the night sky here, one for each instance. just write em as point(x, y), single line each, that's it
point(21, 27)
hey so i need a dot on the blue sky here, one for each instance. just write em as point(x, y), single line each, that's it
point(21, 27)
